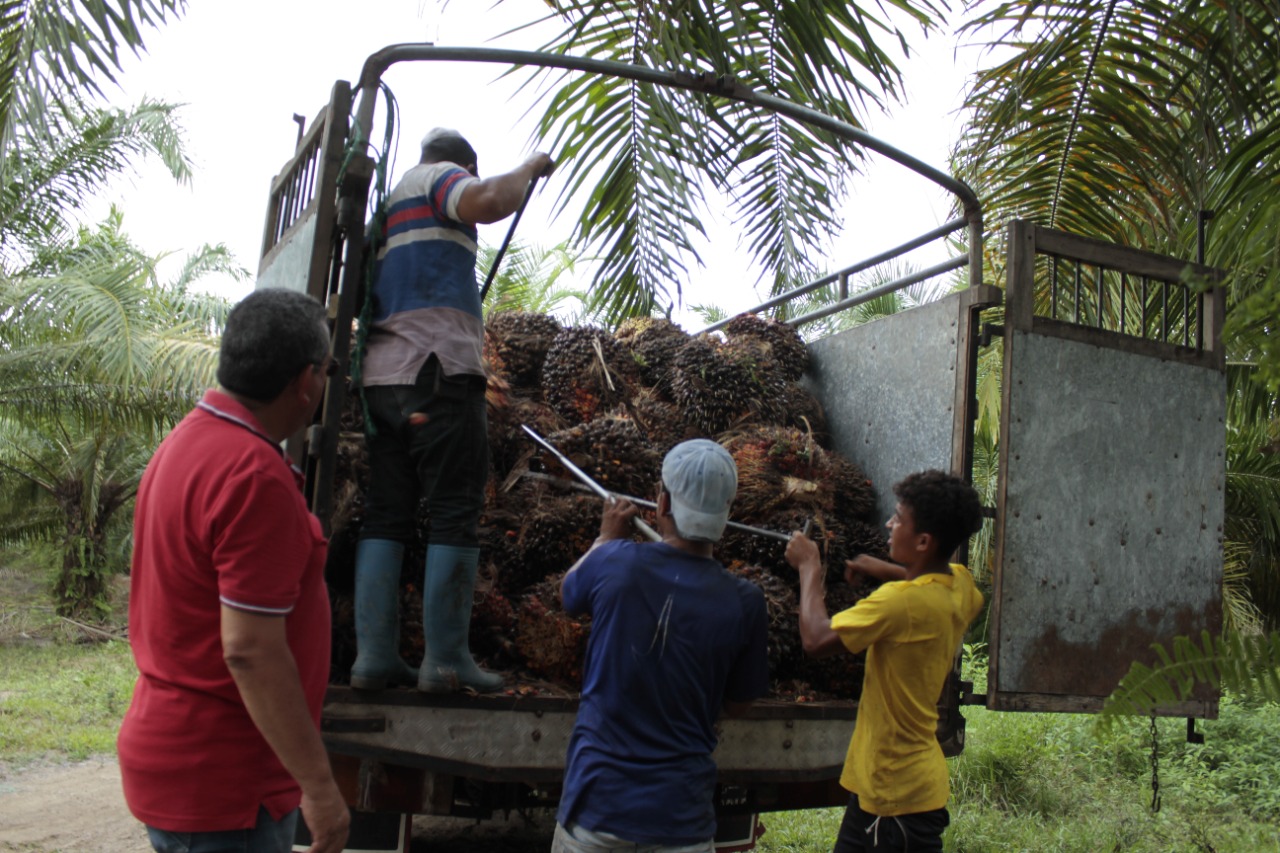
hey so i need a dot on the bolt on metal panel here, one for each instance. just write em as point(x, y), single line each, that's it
point(888, 388)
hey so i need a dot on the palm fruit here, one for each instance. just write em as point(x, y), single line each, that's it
point(840, 675)
point(587, 372)
point(779, 467)
point(781, 604)
point(661, 421)
point(779, 345)
point(855, 497)
point(718, 386)
point(554, 530)
point(493, 619)
point(516, 344)
point(508, 443)
point(611, 451)
point(654, 342)
point(552, 643)
point(798, 408)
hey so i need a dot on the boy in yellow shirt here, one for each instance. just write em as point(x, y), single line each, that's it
point(911, 628)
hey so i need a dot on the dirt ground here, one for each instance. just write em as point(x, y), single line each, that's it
point(79, 807)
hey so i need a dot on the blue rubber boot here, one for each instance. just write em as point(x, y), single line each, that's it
point(378, 662)
point(448, 589)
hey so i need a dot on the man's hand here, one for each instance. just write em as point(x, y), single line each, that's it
point(328, 819)
point(540, 164)
point(881, 570)
point(616, 521)
point(802, 554)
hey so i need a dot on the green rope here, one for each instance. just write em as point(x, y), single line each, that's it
point(380, 169)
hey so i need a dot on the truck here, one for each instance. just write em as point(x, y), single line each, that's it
point(1108, 509)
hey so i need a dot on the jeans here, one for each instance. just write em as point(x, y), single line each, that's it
point(577, 839)
point(268, 836)
point(909, 833)
point(445, 460)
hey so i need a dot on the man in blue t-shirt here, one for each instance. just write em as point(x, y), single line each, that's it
point(675, 640)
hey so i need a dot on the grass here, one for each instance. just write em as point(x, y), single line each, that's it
point(1045, 782)
point(1025, 782)
point(62, 700)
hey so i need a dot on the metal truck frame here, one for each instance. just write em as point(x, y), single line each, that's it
point(1132, 514)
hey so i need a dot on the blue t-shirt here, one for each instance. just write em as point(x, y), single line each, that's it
point(672, 637)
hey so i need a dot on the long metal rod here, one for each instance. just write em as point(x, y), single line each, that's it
point(745, 528)
point(842, 275)
point(600, 490)
point(723, 86)
point(876, 292)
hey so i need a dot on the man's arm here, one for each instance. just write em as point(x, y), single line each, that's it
point(816, 634)
point(491, 199)
point(881, 570)
point(257, 653)
point(615, 523)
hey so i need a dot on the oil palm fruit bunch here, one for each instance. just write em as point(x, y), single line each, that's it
point(586, 373)
point(780, 467)
point(781, 605)
point(797, 407)
point(552, 643)
point(662, 422)
point(654, 342)
point(508, 443)
point(493, 623)
point(516, 344)
point(838, 676)
point(855, 497)
point(779, 346)
point(612, 451)
point(718, 386)
point(554, 529)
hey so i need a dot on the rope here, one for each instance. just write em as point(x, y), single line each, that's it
point(381, 162)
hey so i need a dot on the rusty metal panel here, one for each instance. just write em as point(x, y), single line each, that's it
point(1110, 518)
point(889, 391)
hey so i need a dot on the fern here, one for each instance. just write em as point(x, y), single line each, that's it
point(1248, 664)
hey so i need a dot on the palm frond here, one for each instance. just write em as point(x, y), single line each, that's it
point(56, 54)
point(1246, 664)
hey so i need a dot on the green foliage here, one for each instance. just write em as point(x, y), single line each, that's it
point(62, 699)
point(651, 155)
point(54, 54)
point(1245, 664)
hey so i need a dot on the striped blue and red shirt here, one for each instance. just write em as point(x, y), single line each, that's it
point(425, 299)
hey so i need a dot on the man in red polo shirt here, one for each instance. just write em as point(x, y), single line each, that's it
point(228, 612)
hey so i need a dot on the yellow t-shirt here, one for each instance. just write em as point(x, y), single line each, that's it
point(911, 630)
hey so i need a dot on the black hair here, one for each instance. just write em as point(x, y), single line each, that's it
point(942, 505)
point(447, 146)
point(271, 335)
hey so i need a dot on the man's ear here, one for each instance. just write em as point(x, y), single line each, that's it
point(664, 503)
point(925, 542)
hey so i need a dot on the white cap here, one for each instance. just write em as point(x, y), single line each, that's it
point(702, 480)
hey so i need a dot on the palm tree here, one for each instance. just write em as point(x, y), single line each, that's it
point(56, 54)
point(97, 360)
point(653, 156)
point(1124, 119)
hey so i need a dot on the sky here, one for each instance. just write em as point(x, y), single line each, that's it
point(243, 68)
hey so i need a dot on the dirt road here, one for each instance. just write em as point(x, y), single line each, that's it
point(79, 807)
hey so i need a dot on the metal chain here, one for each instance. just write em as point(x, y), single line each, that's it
point(1155, 766)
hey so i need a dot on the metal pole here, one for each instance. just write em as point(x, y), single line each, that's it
point(600, 490)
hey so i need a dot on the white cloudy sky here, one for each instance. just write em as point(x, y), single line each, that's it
point(242, 68)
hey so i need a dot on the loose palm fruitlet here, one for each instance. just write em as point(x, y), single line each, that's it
point(615, 404)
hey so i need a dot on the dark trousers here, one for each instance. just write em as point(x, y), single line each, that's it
point(444, 461)
point(909, 833)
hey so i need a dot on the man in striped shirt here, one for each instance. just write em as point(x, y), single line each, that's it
point(424, 383)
